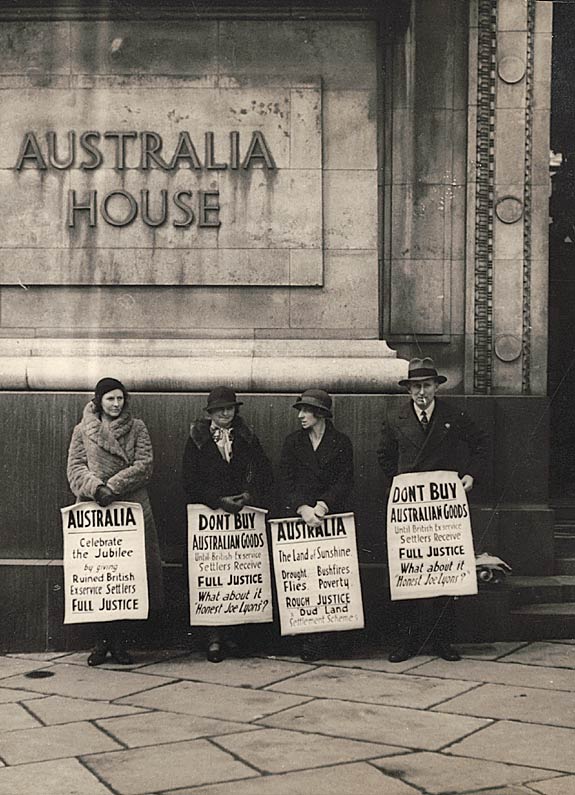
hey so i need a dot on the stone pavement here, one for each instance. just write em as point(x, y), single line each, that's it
point(500, 722)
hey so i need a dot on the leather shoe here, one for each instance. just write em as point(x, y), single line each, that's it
point(121, 656)
point(447, 652)
point(215, 652)
point(401, 654)
point(98, 655)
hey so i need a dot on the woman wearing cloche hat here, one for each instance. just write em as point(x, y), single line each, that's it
point(225, 467)
point(316, 474)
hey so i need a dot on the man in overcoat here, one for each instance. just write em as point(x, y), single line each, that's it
point(422, 435)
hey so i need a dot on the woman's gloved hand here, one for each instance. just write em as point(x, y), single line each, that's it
point(104, 496)
point(320, 509)
point(307, 513)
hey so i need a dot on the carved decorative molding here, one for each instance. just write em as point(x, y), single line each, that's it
point(484, 197)
point(393, 13)
point(527, 202)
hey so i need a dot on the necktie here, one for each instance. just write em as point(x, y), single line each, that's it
point(424, 421)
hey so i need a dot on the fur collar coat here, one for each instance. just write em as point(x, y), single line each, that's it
point(117, 454)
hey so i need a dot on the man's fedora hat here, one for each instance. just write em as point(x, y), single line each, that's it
point(317, 399)
point(421, 370)
point(222, 397)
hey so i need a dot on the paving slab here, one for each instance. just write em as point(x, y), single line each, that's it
point(167, 727)
point(278, 750)
point(380, 663)
point(84, 682)
point(438, 773)
point(166, 767)
point(214, 701)
point(40, 656)
point(13, 716)
point(550, 707)
point(246, 672)
point(61, 709)
point(64, 777)
point(409, 728)
point(558, 655)
point(12, 666)
point(372, 687)
point(507, 790)
point(8, 695)
point(489, 651)
point(53, 742)
point(356, 778)
point(521, 744)
point(504, 673)
point(559, 785)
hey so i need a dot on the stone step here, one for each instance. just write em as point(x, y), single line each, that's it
point(545, 620)
point(537, 590)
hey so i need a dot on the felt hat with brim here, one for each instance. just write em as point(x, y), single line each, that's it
point(222, 397)
point(422, 370)
point(316, 399)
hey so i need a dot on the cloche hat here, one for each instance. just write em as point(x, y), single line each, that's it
point(222, 397)
point(421, 370)
point(106, 385)
point(317, 398)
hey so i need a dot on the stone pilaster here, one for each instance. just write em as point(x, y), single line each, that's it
point(510, 58)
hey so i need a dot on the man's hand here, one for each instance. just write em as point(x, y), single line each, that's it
point(307, 513)
point(232, 504)
point(467, 482)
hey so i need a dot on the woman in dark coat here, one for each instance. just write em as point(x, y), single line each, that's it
point(316, 476)
point(110, 458)
point(224, 466)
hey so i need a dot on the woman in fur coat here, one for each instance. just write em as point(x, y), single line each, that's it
point(225, 467)
point(110, 458)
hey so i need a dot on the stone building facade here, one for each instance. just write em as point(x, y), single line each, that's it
point(274, 196)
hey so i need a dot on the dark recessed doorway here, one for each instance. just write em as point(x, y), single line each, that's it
point(562, 258)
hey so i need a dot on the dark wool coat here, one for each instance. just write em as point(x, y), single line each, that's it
point(309, 475)
point(453, 442)
point(119, 455)
point(206, 476)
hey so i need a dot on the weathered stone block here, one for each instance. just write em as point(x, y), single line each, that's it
point(344, 54)
point(512, 15)
point(275, 203)
point(350, 209)
point(133, 308)
point(420, 298)
point(347, 298)
point(510, 146)
point(350, 136)
point(34, 49)
point(508, 239)
point(421, 220)
point(133, 47)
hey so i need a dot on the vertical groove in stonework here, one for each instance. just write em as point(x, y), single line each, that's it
point(527, 208)
point(483, 315)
